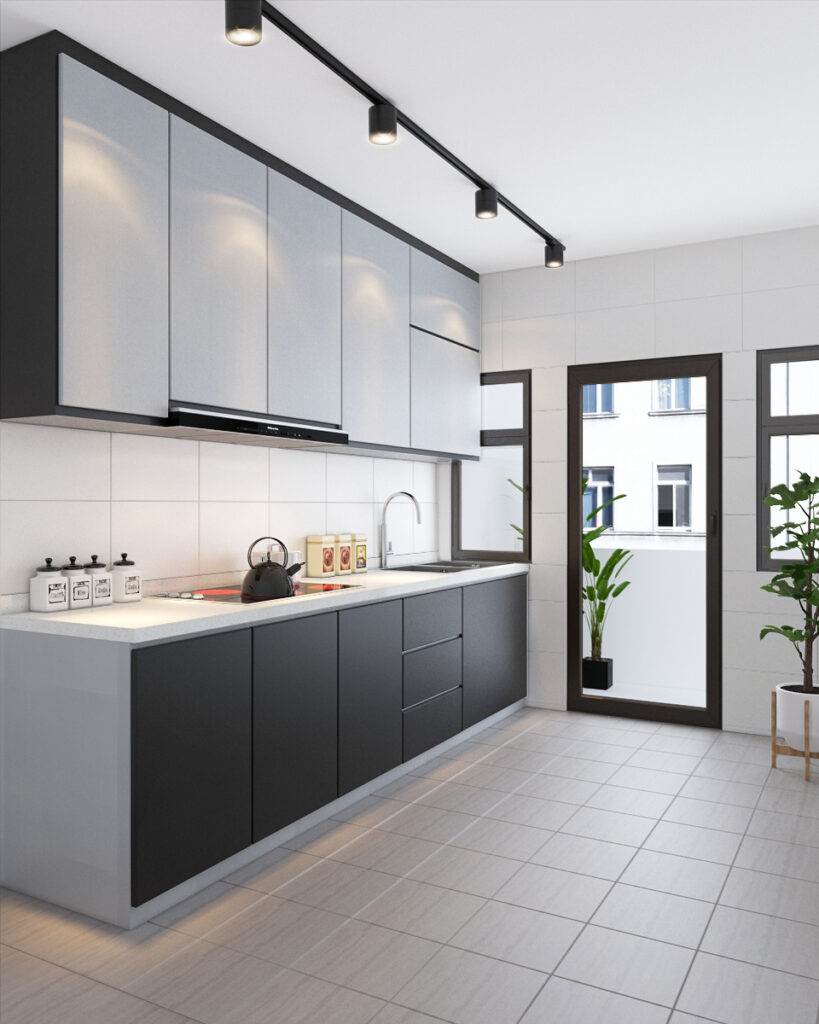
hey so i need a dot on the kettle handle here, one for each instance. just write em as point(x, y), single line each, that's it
point(281, 544)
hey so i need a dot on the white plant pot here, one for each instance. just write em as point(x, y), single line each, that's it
point(790, 717)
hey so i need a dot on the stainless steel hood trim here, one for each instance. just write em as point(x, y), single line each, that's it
point(198, 419)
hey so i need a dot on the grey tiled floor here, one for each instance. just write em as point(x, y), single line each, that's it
point(556, 869)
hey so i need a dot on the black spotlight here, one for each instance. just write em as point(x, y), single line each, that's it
point(486, 203)
point(554, 254)
point(383, 124)
point(243, 22)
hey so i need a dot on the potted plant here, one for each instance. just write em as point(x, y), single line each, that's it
point(600, 588)
point(798, 580)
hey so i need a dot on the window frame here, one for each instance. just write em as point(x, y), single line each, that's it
point(658, 407)
point(591, 470)
point(598, 394)
point(689, 480)
point(767, 427)
point(506, 438)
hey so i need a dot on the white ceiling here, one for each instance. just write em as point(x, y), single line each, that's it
point(617, 124)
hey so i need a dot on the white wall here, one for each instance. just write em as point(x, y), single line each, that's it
point(189, 508)
point(732, 296)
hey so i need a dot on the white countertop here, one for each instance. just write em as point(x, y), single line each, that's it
point(156, 618)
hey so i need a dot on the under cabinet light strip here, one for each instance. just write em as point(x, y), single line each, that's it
point(292, 31)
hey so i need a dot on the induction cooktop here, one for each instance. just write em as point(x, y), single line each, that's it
point(232, 593)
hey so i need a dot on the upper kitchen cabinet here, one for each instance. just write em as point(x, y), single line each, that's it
point(113, 246)
point(218, 247)
point(446, 396)
point(444, 301)
point(304, 303)
point(375, 331)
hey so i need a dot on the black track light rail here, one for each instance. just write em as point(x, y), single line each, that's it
point(314, 48)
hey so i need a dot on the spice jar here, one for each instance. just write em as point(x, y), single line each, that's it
point(48, 589)
point(321, 555)
point(344, 554)
point(102, 590)
point(359, 552)
point(127, 580)
point(79, 584)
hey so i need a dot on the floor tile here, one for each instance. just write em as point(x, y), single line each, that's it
point(673, 744)
point(502, 838)
point(769, 894)
point(629, 801)
point(516, 757)
point(551, 787)
point(705, 814)
point(325, 839)
point(648, 779)
point(424, 910)
point(633, 966)
point(452, 796)
point(556, 892)
point(767, 941)
point(609, 826)
point(529, 810)
point(386, 851)
point(684, 764)
point(337, 887)
point(441, 769)
point(732, 771)
point(392, 1014)
point(517, 935)
point(608, 753)
point(584, 856)
point(469, 750)
point(567, 1002)
point(208, 909)
point(368, 958)
point(737, 993)
point(778, 858)
point(369, 812)
point(654, 915)
point(492, 776)
point(691, 841)
point(760, 755)
point(408, 788)
point(542, 744)
point(272, 870)
point(420, 821)
point(479, 874)
point(787, 828)
point(487, 991)
point(577, 768)
point(681, 876)
point(722, 791)
point(789, 801)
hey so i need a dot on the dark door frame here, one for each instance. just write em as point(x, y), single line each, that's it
point(710, 367)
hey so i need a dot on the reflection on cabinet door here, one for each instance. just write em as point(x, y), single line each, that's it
point(113, 235)
point(218, 273)
point(375, 329)
point(444, 301)
point(446, 396)
point(304, 303)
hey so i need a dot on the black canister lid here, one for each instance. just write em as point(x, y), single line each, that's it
point(94, 564)
point(48, 567)
point(124, 560)
point(72, 563)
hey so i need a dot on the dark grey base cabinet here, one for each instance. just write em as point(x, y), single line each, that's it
point(369, 693)
point(494, 649)
point(190, 759)
point(295, 720)
point(428, 724)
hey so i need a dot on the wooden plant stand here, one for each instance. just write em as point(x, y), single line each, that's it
point(783, 748)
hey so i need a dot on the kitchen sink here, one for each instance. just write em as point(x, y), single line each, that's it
point(442, 566)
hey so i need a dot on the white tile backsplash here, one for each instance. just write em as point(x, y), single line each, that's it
point(30, 470)
point(153, 468)
point(424, 477)
point(232, 472)
point(226, 530)
point(354, 517)
point(297, 475)
point(349, 478)
point(162, 537)
point(294, 521)
point(389, 476)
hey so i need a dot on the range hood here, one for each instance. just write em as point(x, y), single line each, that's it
point(185, 421)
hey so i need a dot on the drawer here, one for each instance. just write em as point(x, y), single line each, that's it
point(432, 723)
point(432, 617)
point(431, 671)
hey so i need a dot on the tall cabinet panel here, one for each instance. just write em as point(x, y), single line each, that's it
point(444, 301)
point(113, 231)
point(446, 396)
point(375, 333)
point(218, 273)
point(304, 303)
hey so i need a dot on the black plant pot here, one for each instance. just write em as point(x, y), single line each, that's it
point(598, 675)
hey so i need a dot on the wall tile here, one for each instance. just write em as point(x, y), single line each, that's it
point(491, 347)
point(33, 530)
point(609, 334)
point(738, 486)
point(739, 376)
point(742, 648)
point(400, 525)
point(549, 539)
point(547, 582)
point(389, 476)
point(424, 478)
point(695, 271)
point(153, 468)
point(425, 533)
point(232, 472)
point(699, 325)
point(349, 478)
point(741, 592)
point(294, 521)
point(739, 429)
point(539, 341)
point(226, 530)
point(626, 280)
point(781, 259)
point(537, 291)
point(781, 319)
point(355, 517)
point(746, 696)
point(297, 475)
point(491, 297)
point(549, 436)
point(739, 543)
point(549, 388)
point(54, 463)
point(547, 680)
point(548, 487)
point(547, 626)
point(161, 537)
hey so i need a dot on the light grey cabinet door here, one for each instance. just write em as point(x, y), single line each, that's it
point(375, 334)
point(218, 273)
point(446, 396)
point(304, 302)
point(444, 301)
point(113, 246)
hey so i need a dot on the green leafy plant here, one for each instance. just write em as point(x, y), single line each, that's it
point(799, 579)
point(517, 529)
point(600, 586)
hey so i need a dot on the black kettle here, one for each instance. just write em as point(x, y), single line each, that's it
point(268, 580)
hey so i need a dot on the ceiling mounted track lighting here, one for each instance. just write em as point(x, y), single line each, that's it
point(486, 203)
point(383, 124)
point(243, 22)
point(384, 117)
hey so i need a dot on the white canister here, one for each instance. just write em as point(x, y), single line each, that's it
point(79, 584)
point(321, 555)
point(344, 554)
point(102, 582)
point(127, 580)
point(359, 552)
point(48, 589)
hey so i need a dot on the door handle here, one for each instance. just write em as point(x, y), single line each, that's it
point(713, 524)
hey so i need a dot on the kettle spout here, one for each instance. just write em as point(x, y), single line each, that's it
point(294, 568)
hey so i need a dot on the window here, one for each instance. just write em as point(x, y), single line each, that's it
point(787, 432)
point(674, 497)
point(674, 394)
point(490, 497)
point(598, 399)
point(599, 489)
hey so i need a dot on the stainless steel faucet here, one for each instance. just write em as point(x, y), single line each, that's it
point(384, 548)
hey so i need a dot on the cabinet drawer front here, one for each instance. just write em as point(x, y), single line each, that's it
point(431, 723)
point(431, 671)
point(431, 617)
